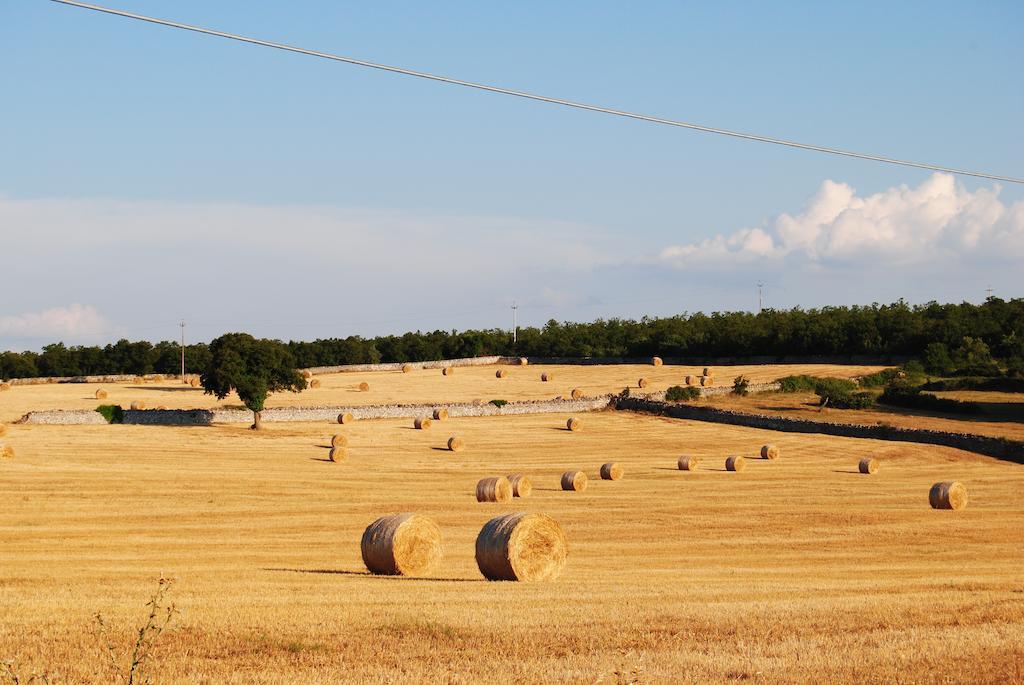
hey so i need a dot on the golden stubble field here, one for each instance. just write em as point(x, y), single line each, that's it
point(795, 570)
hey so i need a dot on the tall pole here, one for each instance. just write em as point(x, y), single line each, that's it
point(988, 292)
point(515, 322)
point(760, 298)
point(182, 324)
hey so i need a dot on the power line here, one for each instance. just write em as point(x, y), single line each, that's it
point(542, 98)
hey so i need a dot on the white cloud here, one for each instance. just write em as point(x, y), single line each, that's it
point(938, 221)
point(73, 322)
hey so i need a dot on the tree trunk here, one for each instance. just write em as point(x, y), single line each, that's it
point(257, 422)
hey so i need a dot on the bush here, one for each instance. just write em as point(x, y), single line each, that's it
point(111, 412)
point(678, 393)
point(975, 383)
point(499, 403)
point(902, 394)
point(850, 400)
point(740, 385)
point(797, 384)
point(881, 378)
point(937, 359)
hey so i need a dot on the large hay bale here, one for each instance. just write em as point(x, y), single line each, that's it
point(4, 387)
point(441, 414)
point(656, 361)
point(307, 374)
point(948, 494)
point(101, 394)
point(521, 546)
point(612, 471)
point(346, 418)
point(501, 373)
point(574, 424)
point(422, 423)
point(158, 378)
point(688, 463)
point(706, 381)
point(867, 465)
point(523, 361)
point(708, 371)
point(337, 454)
point(138, 405)
point(447, 371)
point(315, 383)
point(364, 386)
point(401, 545)
point(574, 481)
point(493, 489)
point(406, 368)
point(547, 376)
point(521, 485)
point(643, 383)
point(6, 452)
point(688, 380)
point(455, 444)
point(194, 382)
point(735, 464)
point(769, 452)
point(576, 393)
point(339, 440)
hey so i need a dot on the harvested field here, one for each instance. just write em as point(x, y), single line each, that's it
point(799, 570)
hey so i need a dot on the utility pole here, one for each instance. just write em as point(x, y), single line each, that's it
point(988, 292)
point(760, 297)
point(515, 322)
point(182, 324)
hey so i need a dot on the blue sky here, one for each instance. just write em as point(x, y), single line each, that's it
point(149, 174)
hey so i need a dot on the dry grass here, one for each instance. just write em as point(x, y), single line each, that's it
point(800, 571)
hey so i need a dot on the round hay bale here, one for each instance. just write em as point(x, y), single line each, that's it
point(573, 424)
point(523, 361)
point(521, 485)
point(455, 444)
point(422, 423)
point(161, 407)
point(307, 374)
point(194, 382)
point(706, 381)
point(138, 405)
point(948, 494)
point(656, 361)
point(158, 378)
point(688, 463)
point(406, 368)
point(6, 452)
point(521, 546)
point(101, 394)
point(339, 440)
point(501, 373)
point(547, 376)
point(867, 465)
point(4, 387)
point(401, 545)
point(769, 452)
point(494, 489)
point(643, 383)
point(364, 387)
point(575, 481)
point(576, 393)
point(441, 414)
point(447, 371)
point(612, 471)
point(735, 464)
point(708, 371)
point(3, 430)
point(337, 454)
point(138, 380)
point(315, 383)
point(346, 418)
point(688, 380)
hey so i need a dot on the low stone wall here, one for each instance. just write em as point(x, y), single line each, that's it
point(397, 366)
point(78, 417)
point(859, 360)
point(1001, 448)
point(116, 378)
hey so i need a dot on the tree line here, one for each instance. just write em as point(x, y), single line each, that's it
point(940, 334)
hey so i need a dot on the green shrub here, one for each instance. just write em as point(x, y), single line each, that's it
point(975, 383)
point(740, 385)
point(850, 400)
point(111, 412)
point(881, 378)
point(797, 384)
point(678, 393)
point(499, 403)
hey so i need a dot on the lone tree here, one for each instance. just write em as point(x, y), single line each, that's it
point(251, 367)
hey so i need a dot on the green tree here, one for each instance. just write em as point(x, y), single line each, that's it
point(251, 367)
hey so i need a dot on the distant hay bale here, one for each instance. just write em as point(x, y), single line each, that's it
point(422, 423)
point(315, 383)
point(643, 383)
point(441, 414)
point(547, 376)
point(406, 368)
point(948, 494)
point(138, 405)
point(612, 471)
point(6, 452)
point(521, 485)
point(364, 386)
point(307, 374)
point(521, 546)
point(867, 465)
point(576, 393)
point(158, 378)
point(573, 424)
point(769, 452)
point(688, 380)
point(523, 361)
point(101, 394)
point(688, 463)
point(708, 371)
point(339, 440)
point(337, 454)
point(194, 382)
point(3, 430)
point(401, 545)
point(501, 373)
point(447, 371)
point(706, 381)
point(4, 387)
point(735, 464)
point(575, 481)
point(161, 407)
point(455, 444)
point(656, 361)
point(138, 380)
point(346, 418)
point(494, 489)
